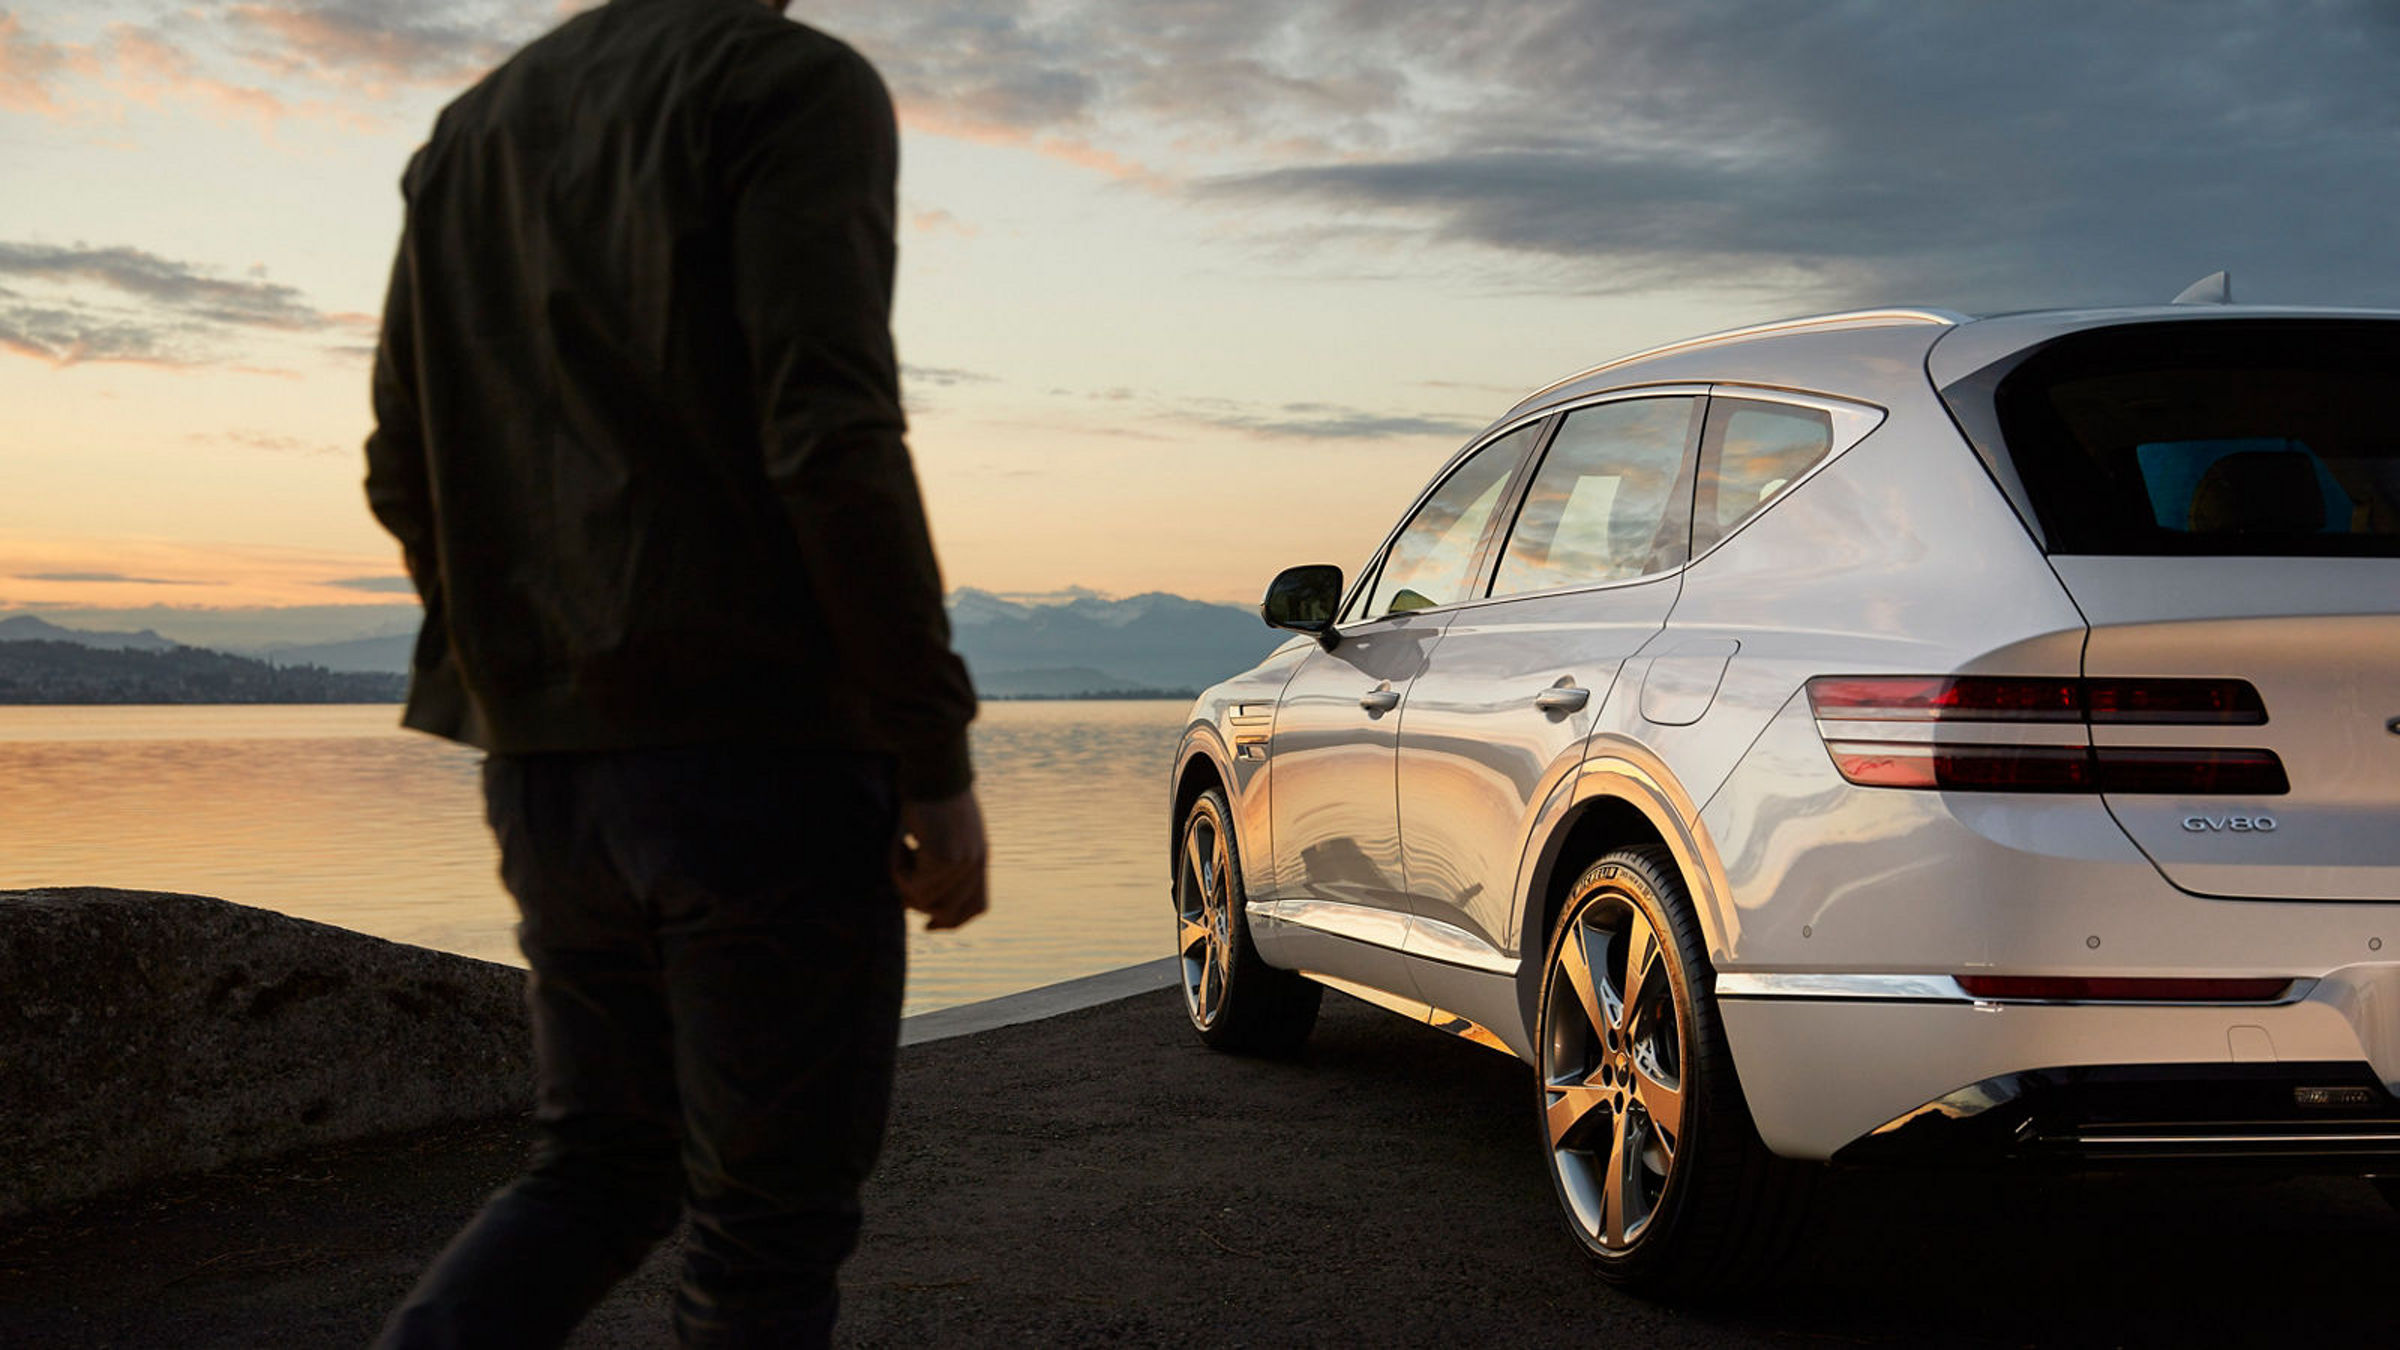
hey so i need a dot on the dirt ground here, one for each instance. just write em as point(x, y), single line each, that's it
point(1100, 1179)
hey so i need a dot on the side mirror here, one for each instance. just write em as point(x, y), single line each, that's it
point(1305, 600)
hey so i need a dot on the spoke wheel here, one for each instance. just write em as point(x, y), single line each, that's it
point(1235, 1000)
point(1204, 917)
point(1659, 1172)
point(1612, 1069)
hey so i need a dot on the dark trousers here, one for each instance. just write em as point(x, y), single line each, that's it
point(717, 955)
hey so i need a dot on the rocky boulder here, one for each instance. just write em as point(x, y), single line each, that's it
point(144, 1034)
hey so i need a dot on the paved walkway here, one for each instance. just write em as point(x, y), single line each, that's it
point(1099, 1179)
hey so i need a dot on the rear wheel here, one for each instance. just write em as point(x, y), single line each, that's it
point(1661, 1174)
point(1235, 999)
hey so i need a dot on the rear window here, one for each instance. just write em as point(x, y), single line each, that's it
point(2231, 437)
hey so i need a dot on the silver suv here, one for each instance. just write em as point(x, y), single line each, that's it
point(1881, 737)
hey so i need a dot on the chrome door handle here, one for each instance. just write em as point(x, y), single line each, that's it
point(1564, 698)
point(1379, 700)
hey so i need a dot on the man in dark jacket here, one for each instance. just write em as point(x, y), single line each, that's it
point(639, 436)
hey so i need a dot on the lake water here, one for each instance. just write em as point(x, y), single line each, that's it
point(337, 815)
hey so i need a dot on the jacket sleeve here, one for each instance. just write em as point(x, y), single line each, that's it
point(398, 487)
point(813, 154)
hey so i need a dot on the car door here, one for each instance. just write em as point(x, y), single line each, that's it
point(1334, 823)
point(1586, 574)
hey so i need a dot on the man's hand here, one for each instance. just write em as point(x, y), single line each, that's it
point(939, 865)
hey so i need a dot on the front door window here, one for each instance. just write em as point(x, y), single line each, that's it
point(1432, 559)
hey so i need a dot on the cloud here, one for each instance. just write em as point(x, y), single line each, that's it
point(1974, 155)
point(380, 585)
point(274, 442)
point(1320, 421)
point(126, 304)
point(109, 578)
point(376, 45)
point(183, 287)
point(944, 376)
point(29, 68)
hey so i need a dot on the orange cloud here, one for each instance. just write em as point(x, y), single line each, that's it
point(29, 66)
point(384, 45)
point(149, 69)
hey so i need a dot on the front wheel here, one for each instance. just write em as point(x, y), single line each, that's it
point(1235, 999)
point(1661, 1174)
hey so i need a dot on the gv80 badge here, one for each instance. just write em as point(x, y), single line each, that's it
point(2230, 824)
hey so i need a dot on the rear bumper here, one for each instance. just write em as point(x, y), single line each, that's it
point(2335, 1117)
point(1917, 1073)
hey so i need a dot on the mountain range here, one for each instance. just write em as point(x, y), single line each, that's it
point(1014, 648)
point(29, 628)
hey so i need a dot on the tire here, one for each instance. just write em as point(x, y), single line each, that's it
point(2390, 1186)
point(1635, 1085)
point(1236, 1001)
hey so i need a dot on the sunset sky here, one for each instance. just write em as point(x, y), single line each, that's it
point(1190, 289)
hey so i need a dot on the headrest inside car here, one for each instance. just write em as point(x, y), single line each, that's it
point(2259, 492)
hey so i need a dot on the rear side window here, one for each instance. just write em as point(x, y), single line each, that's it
point(1752, 452)
point(2230, 437)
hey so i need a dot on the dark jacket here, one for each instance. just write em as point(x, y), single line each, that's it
point(638, 415)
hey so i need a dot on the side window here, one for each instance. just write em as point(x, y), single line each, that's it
point(1432, 559)
point(1609, 501)
point(1751, 452)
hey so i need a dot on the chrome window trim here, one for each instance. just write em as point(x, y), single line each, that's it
point(1680, 389)
point(1853, 422)
point(1864, 418)
point(1673, 389)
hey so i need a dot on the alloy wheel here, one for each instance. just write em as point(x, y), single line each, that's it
point(1204, 917)
point(1612, 1069)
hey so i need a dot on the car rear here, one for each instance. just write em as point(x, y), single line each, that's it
point(2185, 857)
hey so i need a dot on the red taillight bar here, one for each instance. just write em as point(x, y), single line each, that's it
point(2125, 989)
point(2000, 698)
point(1874, 758)
point(2061, 768)
point(1944, 698)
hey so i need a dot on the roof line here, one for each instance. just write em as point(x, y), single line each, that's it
point(1854, 318)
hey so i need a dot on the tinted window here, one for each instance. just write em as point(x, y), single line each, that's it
point(2251, 438)
point(1752, 451)
point(1605, 504)
point(1432, 560)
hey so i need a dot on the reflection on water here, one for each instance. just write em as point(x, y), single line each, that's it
point(334, 814)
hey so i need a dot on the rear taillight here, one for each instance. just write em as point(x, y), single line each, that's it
point(1984, 733)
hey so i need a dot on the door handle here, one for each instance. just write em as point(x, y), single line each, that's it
point(1562, 698)
point(1379, 700)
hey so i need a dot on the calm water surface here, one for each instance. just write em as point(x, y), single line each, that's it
point(334, 814)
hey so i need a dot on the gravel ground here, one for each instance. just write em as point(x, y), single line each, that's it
point(1100, 1179)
